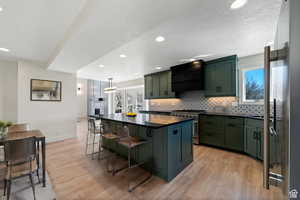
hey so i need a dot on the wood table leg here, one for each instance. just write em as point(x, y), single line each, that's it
point(44, 161)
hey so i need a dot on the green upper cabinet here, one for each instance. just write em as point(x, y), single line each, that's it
point(148, 87)
point(158, 86)
point(221, 77)
point(163, 84)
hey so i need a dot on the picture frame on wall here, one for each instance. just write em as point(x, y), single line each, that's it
point(45, 90)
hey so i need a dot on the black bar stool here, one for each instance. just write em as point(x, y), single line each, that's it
point(131, 143)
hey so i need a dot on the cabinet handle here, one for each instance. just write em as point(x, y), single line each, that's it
point(175, 132)
point(218, 89)
point(255, 135)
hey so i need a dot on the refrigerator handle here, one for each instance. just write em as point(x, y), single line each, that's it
point(266, 155)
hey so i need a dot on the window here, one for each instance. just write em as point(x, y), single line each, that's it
point(129, 100)
point(252, 85)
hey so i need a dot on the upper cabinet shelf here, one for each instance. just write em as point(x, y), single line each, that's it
point(220, 80)
point(158, 86)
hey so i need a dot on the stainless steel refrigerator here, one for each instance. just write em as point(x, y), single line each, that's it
point(282, 105)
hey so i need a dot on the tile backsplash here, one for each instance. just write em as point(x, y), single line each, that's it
point(197, 100)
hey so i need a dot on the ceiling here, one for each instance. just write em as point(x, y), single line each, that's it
point(33, 29)
point(79, 36)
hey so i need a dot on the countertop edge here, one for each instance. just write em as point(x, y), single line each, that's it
point(155, 126)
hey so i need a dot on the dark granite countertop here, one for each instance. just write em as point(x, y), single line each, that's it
point(156, 111)
point(146, 120)
point(230, 114)
point(243, 115)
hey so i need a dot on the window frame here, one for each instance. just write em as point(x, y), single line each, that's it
point(242, 85)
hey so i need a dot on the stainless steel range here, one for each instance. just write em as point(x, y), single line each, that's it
point(191, 114)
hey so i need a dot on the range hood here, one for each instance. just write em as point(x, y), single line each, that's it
point(188, 76)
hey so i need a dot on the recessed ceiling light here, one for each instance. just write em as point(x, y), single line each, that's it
point(136, 74)
point(238, 4)
point(101, 66)
point(157, 67)
point(1, 8)
point(4, 49)
point(123, 56)
point(159, 39)
point(192, 59)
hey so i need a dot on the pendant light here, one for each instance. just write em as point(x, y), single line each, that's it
point(110, 88)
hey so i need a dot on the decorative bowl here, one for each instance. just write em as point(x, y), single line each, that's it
point(131, 114)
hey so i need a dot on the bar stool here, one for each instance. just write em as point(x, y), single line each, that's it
point(94, 132)
point(131, 143)
point(108, 135)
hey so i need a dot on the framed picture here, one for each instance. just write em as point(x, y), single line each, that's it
point(45, 90)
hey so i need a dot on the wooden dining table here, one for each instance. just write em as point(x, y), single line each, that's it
point(41, 140)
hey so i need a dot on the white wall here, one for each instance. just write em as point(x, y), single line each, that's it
point(8, 90)
point(57, 120)
point(82, 98)
point(130, 83)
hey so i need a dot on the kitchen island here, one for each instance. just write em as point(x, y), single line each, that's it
point(170, 147)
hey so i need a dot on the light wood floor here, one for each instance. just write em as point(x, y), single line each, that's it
point(214, 175)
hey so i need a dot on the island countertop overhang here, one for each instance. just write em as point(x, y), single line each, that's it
point(146, 120)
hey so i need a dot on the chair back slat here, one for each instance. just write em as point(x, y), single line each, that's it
point(20, 150)
point(91, 125)
point(18, 128)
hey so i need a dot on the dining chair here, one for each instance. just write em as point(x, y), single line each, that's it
point(131, 143)
point(93, 131)
point(20, 156)
point(15, 128)
point(18, 128)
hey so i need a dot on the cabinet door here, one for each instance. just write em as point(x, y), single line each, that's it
point(186, 143)
point(148, 87)
point(163, 84)
point(260, 143)
point(226, 75)
point(155, 84)
point(220, 77)
point(251, 141)
point(170, 92)
point(174, 146)
point(212, 137)
point(234, 136)
point(209, 79)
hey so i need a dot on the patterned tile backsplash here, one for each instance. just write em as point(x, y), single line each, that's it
point(197, 100)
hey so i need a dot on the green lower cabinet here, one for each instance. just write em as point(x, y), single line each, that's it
point(251, 142)
point(187, 144)
point(254, 138)
point(180, 148)
point(234, 137)
point(175, 159)
point(212, 137)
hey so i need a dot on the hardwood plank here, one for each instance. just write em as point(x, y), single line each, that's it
point(214, 174)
